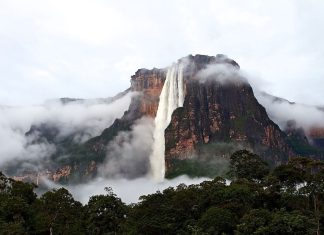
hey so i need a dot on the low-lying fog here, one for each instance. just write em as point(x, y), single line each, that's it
point(128, 190)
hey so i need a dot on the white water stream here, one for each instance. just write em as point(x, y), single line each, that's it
point(171, 97)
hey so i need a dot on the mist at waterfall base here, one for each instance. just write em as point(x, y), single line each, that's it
point(128, 190)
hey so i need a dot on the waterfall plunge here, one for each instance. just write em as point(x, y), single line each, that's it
point(171, 97)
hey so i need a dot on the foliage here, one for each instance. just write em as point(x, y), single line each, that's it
point(105, 214)
point(217, 221)
point(244, 164)
point(58, 213)
point(286, 200)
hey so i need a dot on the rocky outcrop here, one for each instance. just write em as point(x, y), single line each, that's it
point(63, 172)
point(218, 111)
point(149, 83)
point(61, 175)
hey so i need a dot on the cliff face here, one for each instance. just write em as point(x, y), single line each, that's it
point(62, 174)
point(149, 83)
point(217, 111)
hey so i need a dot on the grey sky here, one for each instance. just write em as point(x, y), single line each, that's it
point(79, 48)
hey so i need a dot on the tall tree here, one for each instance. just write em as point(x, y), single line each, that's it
point(58, 213)
point(244, 164)
point(105, 214)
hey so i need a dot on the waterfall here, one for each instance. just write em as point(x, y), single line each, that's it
point(171, 97)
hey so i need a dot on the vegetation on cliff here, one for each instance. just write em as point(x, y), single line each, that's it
point(286, 200)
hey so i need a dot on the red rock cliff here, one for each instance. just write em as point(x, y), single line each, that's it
point(215, 111)
point(149, 83)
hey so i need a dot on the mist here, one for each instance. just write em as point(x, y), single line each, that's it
point(83, 118)
point(281, 111)
point(126, 168)
point(222, 73)
point(127, 155)
point(128, 190)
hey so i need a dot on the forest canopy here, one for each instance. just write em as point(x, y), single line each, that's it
point(288, 199)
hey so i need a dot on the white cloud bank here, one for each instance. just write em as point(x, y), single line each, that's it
point(87, 118)
point(128, 190)
point(281, 112)
point(128, 153)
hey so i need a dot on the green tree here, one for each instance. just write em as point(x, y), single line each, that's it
point(314, 190)
point(217, 221)
point(291, 223)
point(105, 214)
point(16, 199)
point(260, 221)
point(14, 215)
point(24, 191)
point(254, 222)
point(58, 213)
point(244, 164)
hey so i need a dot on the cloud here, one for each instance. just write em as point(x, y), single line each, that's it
point(281, 111)
point(223, 73)
point(128, 154)
point(128, 190)
point(85, 118)
point(227, 73)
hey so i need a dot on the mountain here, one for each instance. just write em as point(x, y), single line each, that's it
point(306, 138)
point(213, 113)
point(218, 115)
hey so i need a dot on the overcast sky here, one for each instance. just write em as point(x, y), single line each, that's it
point(67, 48)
